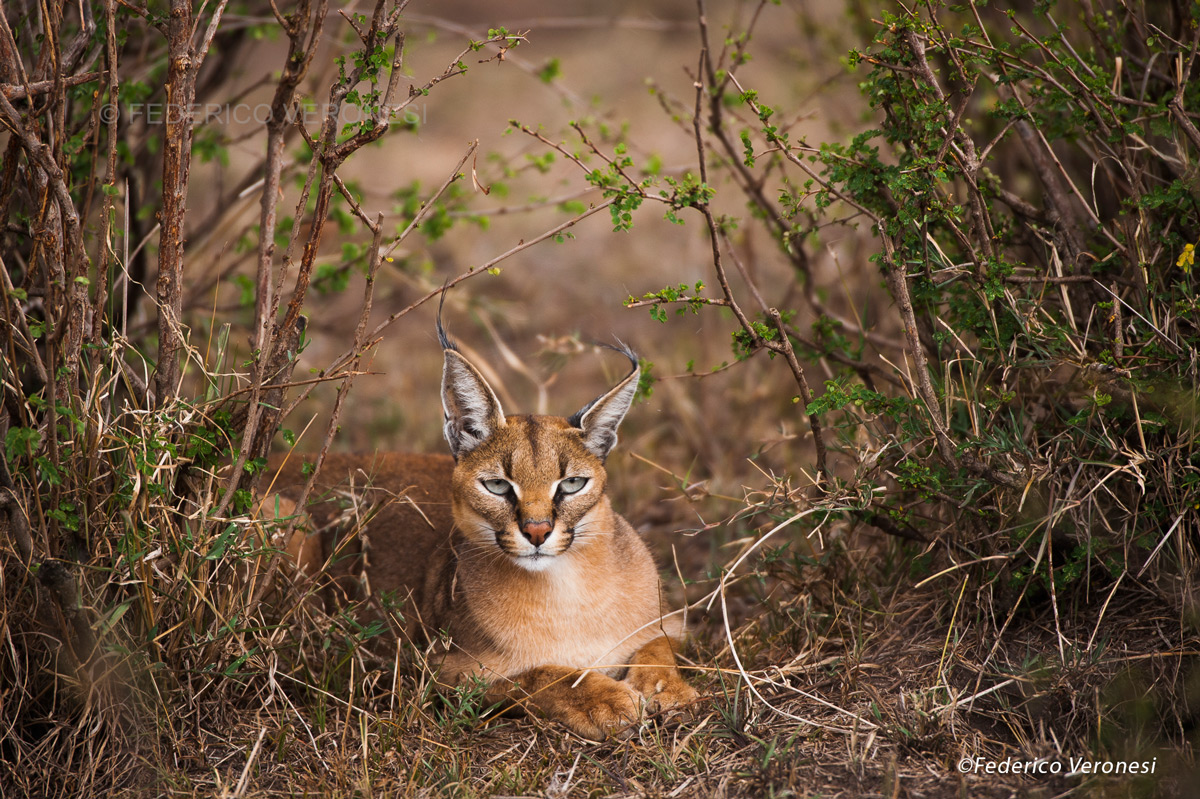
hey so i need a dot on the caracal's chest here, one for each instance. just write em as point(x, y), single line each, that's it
point(569, 615)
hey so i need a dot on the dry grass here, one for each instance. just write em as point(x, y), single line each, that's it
point(861, 685)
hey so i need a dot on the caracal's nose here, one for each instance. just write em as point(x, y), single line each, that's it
point(536, 531)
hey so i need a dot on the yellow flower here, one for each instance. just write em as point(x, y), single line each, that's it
point(1187, 258)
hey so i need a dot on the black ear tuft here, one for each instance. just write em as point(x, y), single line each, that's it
point(443, 339)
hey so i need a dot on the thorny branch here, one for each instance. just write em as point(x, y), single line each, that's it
point(304, 32)
point(330, 155)
point(783, 345)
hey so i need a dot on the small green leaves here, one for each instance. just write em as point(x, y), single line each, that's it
point(683, 293)
point(646, 381)
point(551, 70)
point(748, 149)
point(686, 193)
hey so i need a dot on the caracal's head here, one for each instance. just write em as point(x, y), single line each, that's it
point(529, 488)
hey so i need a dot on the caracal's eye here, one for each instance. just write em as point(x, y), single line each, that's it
point(498, 487)
point(572, 485)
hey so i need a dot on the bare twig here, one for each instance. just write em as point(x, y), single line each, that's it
point(272, 363)
point(474, 271)
point(784, 346)
point(359, 348)
point(715, 235)
point(41, 87)
point(330, 154)
point(1182, 74)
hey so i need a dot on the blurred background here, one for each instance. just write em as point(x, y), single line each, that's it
point(626, 74)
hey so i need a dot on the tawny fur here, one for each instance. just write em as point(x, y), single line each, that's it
point(576, 601)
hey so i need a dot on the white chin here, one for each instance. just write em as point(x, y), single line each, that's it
point(535, 563)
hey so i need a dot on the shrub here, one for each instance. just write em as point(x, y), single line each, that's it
point(1027, 398)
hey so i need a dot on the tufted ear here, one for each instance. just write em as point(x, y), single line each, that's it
point(599, 418)
point(471, 409)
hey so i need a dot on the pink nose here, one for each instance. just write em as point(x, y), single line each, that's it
point(536, 532)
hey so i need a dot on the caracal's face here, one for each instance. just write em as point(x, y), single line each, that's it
point(529, 492)
point(528, 488)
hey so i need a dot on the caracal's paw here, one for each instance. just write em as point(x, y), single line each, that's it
point(663, 689)
point(601, 707)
